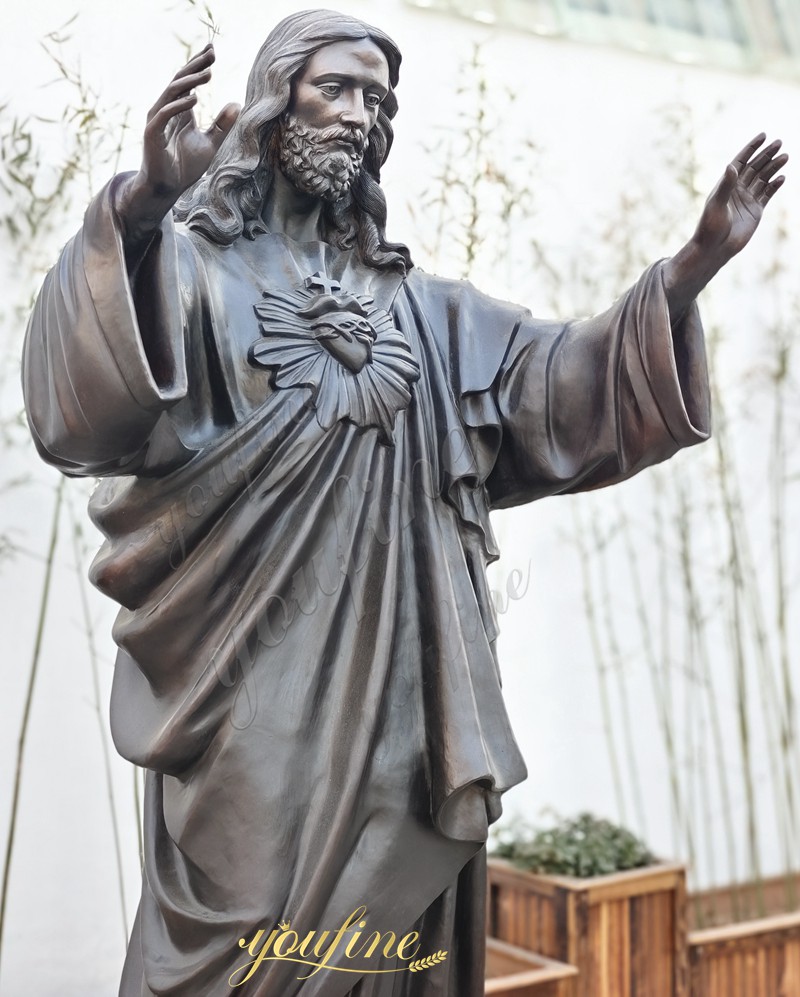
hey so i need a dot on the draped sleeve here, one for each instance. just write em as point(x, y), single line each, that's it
point(104, 354)
point(589, 403)
point(550, 407)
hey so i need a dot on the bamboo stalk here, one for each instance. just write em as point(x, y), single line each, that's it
point(783, 778)
point(44, 600)
point(700, 655)
point(788, 733)
point(590, 607)
point(778, 479)
point(617, 667)
point(735, 618)
point(665, 628)
point(697, 791)
point(660, 699)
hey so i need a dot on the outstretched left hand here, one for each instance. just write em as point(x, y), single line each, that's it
point(729, 219)
point(734, 207)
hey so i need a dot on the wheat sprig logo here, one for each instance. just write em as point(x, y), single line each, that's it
point(418, 965)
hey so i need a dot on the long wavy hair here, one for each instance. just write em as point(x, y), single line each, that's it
point(228, 199)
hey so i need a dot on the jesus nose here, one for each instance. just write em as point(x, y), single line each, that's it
point(354, 113)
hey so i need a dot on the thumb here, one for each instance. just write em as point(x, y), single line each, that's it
point(223, 123)
point(727, 184)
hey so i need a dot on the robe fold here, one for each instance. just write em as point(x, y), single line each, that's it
point(306, 662)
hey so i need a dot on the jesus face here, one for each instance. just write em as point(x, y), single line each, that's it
point(333, 108)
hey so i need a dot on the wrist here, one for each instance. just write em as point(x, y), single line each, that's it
point(690, 269)
point(141, 207)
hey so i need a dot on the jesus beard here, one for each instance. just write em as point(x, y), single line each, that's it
point(312, 164)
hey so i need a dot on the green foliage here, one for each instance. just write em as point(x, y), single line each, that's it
point(582, 846)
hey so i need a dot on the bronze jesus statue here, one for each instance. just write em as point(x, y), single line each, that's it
point(300, 438)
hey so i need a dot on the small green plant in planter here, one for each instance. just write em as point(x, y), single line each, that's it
point(581, 846)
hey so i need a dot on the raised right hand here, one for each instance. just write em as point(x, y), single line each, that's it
point(176, 152)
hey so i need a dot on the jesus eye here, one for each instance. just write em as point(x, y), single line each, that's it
point(330, 89)
point(372, 99)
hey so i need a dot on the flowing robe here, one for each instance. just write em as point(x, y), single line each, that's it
point(306, 662)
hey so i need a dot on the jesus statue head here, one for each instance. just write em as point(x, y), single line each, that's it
point(317, 113)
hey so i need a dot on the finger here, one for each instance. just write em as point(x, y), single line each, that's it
point(749, 149)
point(761, 160)
point(178, 88)
point(771, 189)
point(771, 168)
point(223, 123)
point(162, 118)
point(202, 60)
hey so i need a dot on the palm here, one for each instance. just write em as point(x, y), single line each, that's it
point(185, 154)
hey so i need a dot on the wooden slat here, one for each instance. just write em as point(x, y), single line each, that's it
point(622, 937)
point(790, 977)
point(634, 883)
point(640, 944)
point(680, 945)
point(781, 925)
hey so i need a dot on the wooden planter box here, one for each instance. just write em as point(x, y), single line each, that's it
point(756, 958)
point(625, 933)
point(515, 972)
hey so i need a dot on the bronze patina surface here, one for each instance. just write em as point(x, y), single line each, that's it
point(300, 437)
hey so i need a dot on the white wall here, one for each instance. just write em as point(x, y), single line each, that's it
point(594, 113)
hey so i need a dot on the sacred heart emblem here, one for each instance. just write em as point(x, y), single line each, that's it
point(358, 366)
point(342, 326)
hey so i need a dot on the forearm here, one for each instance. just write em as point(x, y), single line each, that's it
point(685, 275)
point(141, 208)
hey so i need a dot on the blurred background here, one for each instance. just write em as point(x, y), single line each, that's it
point(548, 150)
